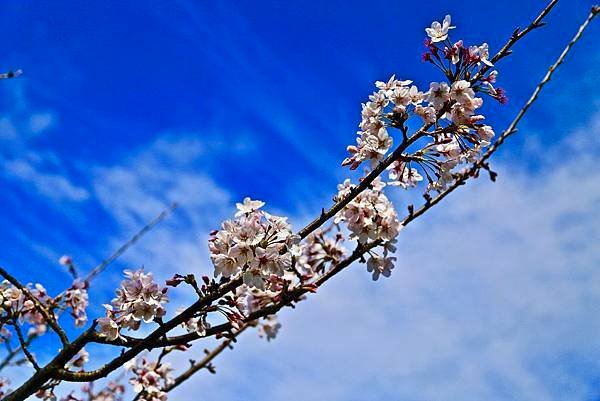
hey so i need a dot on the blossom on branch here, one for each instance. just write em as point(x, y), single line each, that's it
point(139, 298)
point(439, 32)
point(256, 243)
point(150, 377)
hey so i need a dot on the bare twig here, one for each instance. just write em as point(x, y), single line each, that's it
point(204, 363)
point(104, 264)
point(12, 353)
point(518, 34)
point(24, 347)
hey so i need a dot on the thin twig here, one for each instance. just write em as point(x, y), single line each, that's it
point(23, 343)
point(96, 270)
point(14, 352)
point(518, 34)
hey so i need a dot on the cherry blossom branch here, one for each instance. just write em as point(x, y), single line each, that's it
point(474, 170)
point(147, 343)
point(137, 345)
point(364, 184)
point(93, 273)
point(380, 168)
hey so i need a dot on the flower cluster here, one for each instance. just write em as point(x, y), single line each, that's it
point(255, 243)
point(139, 298)
point(449, 110)
point(319, 250)
point(400, 174)
point(150, 378)
point(370, 215)
point(389, 106)
point(15, 305)
point(381, 265)
point(76, 298)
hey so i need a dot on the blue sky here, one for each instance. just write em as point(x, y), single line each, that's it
point(125, 107)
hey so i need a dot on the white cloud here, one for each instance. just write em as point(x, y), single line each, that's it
point(40, 122)
point(53, 186)
point(137, 190)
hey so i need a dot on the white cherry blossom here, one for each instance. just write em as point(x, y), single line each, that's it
point(439, 32)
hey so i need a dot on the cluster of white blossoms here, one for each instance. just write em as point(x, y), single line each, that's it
point(389, 106)
point(256, 243)
point(16, 306)
point(400, 174)
point(319, 251)
point(76, 298)
point(382, 264)
point(150, 378)
point(448, 110)
point(459, 142)
point(138, 299)
point(370, 215)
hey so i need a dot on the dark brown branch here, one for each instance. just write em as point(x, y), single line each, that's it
point(204, 362)
point(148, 342)
point(24, 344)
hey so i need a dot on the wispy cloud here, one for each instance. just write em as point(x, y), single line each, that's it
point(136, 190)
point(53, 186)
